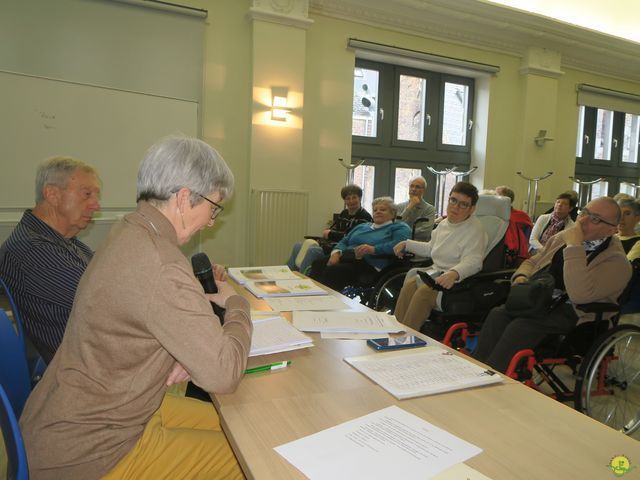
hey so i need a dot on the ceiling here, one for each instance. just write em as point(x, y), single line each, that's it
point(493, 27)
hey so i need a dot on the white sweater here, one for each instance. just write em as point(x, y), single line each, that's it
point(454, 246)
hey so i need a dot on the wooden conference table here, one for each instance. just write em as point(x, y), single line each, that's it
point(523, 434)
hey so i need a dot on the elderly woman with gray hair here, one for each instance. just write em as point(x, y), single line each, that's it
point(140, 322)
point(360, 254)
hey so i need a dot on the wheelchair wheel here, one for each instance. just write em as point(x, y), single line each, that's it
point(608, 384)
point(385, 293)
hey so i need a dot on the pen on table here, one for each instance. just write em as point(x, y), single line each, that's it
point(271, 366)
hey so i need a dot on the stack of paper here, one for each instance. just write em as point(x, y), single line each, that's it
point(276, 334)
point(284, 288)
point(318, 302)
point(408, 374)
point(346, 322)
point(243, 275)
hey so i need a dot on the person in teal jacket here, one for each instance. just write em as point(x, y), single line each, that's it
point(361, 253)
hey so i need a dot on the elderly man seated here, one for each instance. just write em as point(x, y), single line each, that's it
point(42, 260)
point(416, 208)
point(587, 263)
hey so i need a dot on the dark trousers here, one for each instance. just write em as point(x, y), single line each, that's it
point(503, 335)
point(342, 274)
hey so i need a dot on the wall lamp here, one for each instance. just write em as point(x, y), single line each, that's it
point(279, 104)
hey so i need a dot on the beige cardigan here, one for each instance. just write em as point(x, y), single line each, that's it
point(138, 309)
point(603, 280)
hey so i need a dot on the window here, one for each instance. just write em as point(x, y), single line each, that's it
point(406, 119)
point(606, 148)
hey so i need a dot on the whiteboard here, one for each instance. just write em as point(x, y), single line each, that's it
point(109, 129)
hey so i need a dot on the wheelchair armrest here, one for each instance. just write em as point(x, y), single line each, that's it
point(598, 307)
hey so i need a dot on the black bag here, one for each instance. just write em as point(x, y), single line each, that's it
point(532, 298)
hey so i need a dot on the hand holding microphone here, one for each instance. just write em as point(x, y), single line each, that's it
point(203, 271)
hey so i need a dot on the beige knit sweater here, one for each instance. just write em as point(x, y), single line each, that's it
point(137, 310)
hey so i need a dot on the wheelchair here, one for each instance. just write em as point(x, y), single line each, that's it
point(366, 286)
point(603, 360)
point(471, 299)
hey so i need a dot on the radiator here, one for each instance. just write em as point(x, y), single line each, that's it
point(278, 220)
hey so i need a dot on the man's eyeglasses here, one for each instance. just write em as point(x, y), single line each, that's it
point(217, 209)
point(463, 205)
point(595, 219)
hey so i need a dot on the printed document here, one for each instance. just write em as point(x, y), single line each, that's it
point(293, 304)
point(284, 288)
point(243, 275)
point(408, 374)
point(353, 322)
point(388, 444)
point(276, 334)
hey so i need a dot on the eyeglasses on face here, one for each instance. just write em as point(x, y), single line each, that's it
point(462, 205)
point(216, 210)
point(595, 219)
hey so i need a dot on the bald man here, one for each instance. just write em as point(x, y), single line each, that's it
point(588, 264)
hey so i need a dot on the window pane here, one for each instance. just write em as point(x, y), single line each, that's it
point(411, 108)
point(580, 132)
point(401, 186)
point(604, 127)
point(599, 189)
point(364, 176)
point(449, 181)
point(454, 121)
point(631, 138)
point(628, 188)
point(365, 102)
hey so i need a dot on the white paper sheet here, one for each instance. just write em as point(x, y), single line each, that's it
point(388, 444)
point(293, 304)
point(243, 275)
point(285, 288)
point(461, 471)
point(276, 334)
point(353, 322)
point(431, 370)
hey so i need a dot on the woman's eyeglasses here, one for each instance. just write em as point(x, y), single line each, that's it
point(595, 219)
point(217, 209)
point(463, 205)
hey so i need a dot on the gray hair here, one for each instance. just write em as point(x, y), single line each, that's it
point(421, 178)
point(630, 203)
point(178, 161)
point(57, 171)
point(387, 201)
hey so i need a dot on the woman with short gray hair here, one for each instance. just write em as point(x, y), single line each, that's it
point(360, 255)
point(141, 322)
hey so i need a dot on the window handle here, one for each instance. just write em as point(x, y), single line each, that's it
point(470, 124)
point(586, 139)
point(428, 118)
point(615, 143)
point(381, 113)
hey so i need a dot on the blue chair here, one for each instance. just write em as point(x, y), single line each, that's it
point(36, 365)
point(14, 371)
point(16, 456)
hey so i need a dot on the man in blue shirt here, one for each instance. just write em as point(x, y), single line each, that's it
point(42, 260)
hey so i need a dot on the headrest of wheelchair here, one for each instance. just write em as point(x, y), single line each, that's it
point(495, 206)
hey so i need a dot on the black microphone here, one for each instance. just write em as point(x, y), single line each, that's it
point(203, 271)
